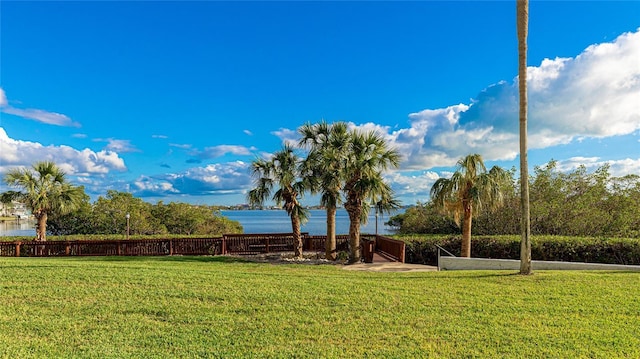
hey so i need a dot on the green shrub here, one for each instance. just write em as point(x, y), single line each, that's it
point(104, 237)
point(423, 250)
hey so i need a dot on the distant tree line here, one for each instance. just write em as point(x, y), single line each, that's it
point(107, 215)
point(577, 203)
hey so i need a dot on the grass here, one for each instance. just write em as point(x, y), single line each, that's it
point(187, 307)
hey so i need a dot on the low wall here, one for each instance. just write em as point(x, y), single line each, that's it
point(458, 263)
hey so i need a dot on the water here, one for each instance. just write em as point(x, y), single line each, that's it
point(23, 227)
point(277, 221)
point(253, 221)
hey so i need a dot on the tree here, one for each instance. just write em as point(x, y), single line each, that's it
point(577, 203)
point(504, 219)
point(327, 146)
point(522, 9)
point(367, 156)
point(423, 218)
point(110, 215)
point(189, 219)
point(45, 190)
point(78, 221)
point(625, 206)
point(281, 171)
point(469, 190)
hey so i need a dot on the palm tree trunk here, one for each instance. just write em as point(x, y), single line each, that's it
point(522, 8)
point(466, 230)
point(354, 233)
point(330, 243)
point(41, 228)
point(297, 237)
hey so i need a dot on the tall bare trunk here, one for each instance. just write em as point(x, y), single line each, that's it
point(522, 9)
point(354, 233)
point(330, 243)
point(297, 236)
point(466, 230)
point(41, 228)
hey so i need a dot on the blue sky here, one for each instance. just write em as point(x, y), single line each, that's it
point(172, 100)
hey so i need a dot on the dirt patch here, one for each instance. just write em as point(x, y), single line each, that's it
point(316, 258)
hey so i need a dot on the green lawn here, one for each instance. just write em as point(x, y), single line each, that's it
point(215, 307)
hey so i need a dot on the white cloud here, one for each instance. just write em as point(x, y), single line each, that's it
point(248, 133)
point(434, 138)
point(14, 153)
point(287, 136)
point(617, 168)
point(181, 146)
point(221, 150)
point(597, 94)
point(214, 179)
point(370, 127)
point(50, 118)
point(3, 98)
point(594, 95)
point(414, 186)
point(159, 136)
point(147, 185)
point(116, 145)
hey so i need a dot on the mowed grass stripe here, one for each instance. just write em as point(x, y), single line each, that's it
point(153, 307)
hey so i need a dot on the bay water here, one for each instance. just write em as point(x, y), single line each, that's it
point(23, 227)
point(253, 221)
point(277, 221)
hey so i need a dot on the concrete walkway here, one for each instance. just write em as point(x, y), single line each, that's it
point(382, 264)
point(390, 267)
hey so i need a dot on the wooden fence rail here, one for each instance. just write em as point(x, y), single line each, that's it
point(390, 248)
point(134, 247)
point(227, 244)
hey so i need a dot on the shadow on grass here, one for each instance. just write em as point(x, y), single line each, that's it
point(204, 259)
point(478, 274)
point(133, 259)
point(174, 259)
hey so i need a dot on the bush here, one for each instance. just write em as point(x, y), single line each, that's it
point(423, 250)
point(103, 237)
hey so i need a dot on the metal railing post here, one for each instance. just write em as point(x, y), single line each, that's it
point(446, 251)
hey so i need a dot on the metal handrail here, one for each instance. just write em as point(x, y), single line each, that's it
point(446, 251)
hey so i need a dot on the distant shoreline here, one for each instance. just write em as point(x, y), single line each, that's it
point(15, 218)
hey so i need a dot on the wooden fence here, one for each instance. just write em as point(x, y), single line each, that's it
point(133, 247)
point(227, 244)
point(390, 248)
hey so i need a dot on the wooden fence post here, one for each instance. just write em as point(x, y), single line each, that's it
point(170, 247)
point(67, 248)
point(18, 249)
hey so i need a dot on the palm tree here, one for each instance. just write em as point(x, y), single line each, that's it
point(469, 190)
point(367, 156)
point(283, 171)
point(45, 191)
point(327, 146)
point(522, 9)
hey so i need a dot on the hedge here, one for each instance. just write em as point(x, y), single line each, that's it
point(423, 250)
point(106, 237)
